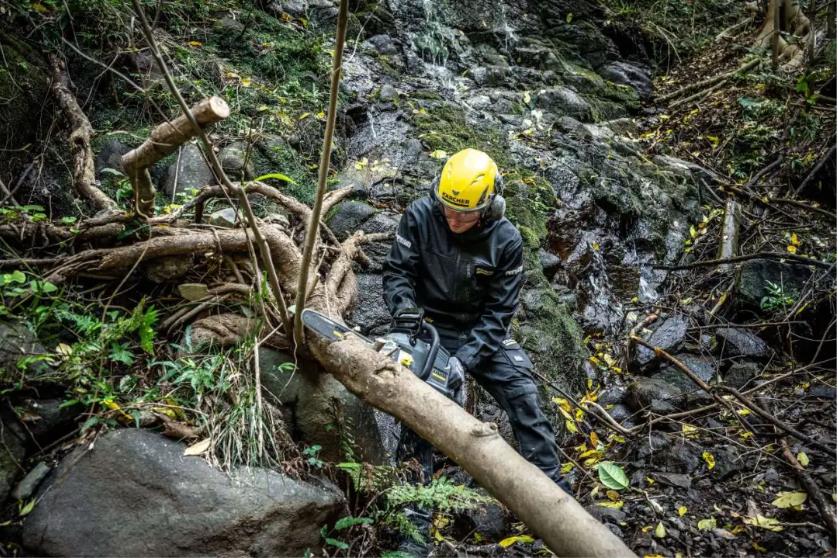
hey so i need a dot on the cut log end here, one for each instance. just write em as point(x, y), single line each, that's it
point(219, 107)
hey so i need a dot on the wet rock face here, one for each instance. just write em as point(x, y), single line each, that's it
point(757, 276)
point(625, 73)
point(168, 504)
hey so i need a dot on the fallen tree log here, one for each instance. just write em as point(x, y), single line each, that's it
point(556, 517)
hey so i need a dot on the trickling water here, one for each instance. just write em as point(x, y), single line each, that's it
point(509, 36)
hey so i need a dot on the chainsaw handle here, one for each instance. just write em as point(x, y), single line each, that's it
point(429, 363)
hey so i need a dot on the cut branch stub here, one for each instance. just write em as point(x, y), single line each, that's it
point(162, 141)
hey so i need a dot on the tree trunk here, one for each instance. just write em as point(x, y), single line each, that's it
point(476, 446)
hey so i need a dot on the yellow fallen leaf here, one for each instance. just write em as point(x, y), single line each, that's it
point(682, 510)
point(246, 81)
point(439, 154)
point(509, 541)
point(707, 524)
point(791, 248)
point(789, 500)
point(613, 495)
point(709, 459)
point(689, 430)
point(198, 448)
point(613, 505)
point(803, 459)
point(769, 523)
point(660, 530)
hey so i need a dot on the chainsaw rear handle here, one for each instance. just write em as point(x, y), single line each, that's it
point(429, 363)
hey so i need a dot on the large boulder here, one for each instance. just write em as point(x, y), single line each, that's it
point(134, 493)
point(348, 217)
point(19, 342)
point(669, 337)
point(190, 170)
point(12, 452)
point(735, 342)
point(320, 410)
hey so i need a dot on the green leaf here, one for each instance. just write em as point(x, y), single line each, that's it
point(612, 476)
point(509, 541)
point(275, 175)
point(337, 543)
point(120, 354)
point(16, 276)
point(68, 220)
point(27, 509)
point(349, 521)
point(789, 499)
point(569, 17)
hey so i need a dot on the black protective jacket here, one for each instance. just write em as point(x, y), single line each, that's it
point(467, 281)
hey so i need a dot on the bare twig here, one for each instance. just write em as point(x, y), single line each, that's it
point(325, 156)
point(825, 509)
point(757, 256)
point(709, 81)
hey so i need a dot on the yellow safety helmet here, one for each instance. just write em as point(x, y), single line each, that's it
point(468, 181)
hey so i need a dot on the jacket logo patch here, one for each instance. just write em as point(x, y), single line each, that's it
point(403, 241)
point(508, 342)
point(484, 271)
point(515, 271)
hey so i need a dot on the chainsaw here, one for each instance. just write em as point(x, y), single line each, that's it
point(411, 341)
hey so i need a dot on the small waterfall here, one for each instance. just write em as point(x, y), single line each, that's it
point(603, 308)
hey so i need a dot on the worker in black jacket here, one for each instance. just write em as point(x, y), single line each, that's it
point(456, 256)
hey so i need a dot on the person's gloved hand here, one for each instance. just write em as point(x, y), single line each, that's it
point(456, 380)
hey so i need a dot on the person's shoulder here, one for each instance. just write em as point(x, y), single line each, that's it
point(420, 208)
point(508, 232)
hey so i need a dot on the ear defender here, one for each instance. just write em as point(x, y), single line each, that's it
point(497, 207)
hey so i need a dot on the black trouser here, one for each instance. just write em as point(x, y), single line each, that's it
point(507, 377)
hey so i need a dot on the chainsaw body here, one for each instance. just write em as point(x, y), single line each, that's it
point(411, 342)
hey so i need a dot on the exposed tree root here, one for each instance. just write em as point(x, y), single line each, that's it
point(785, 16)
point(84, 171)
